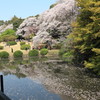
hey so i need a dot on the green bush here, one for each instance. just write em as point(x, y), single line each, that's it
point(62, 51)
point(8, 32)
point(25, 47)
point(18, 54)
point(33, 53)
point(11, 43)
point(43, 52)
point(4, 54)
point(1, 47)
point(22, 43)
point(68, 57)
point(8, 35)
point(94, 64)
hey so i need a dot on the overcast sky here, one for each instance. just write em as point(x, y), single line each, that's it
point(23, 8)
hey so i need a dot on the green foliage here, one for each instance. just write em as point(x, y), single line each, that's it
point(8, 35)
point(37, 15)
point(8, 38)
point(87, 31)
point(93, 63)
point(11, 43)
point(53, 5)
point(22, 43)
point(4, 54)
point(44, 52)
point(33, 53)
point(18, 54)
point(15, 21)
point(68, 57)
point(57, 46)
point(62, 51)
point(1, 47)
point(67, 47)
point(8, 32)
point(86, 36)
point(25, 47)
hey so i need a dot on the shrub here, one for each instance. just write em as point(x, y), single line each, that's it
point(4, 54)
point(94, 64)
point(18, 54)
point(62, 51)
point(1, 47)
point(8, 35)
point(33, 53)
point(11, 43)
point(8, 32)
point(43, 52)
point(68, 56)
point(25, 47)
point(11, 38)
point(8, 38)
point(22, 43)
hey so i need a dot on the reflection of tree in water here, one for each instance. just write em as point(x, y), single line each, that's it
point(4, 61)
point(20, 75)
point(76, 77)
point(5, 73)
point(12, 67)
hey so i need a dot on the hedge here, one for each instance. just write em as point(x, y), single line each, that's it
point(4, 54)
point(18, 54)
point(33, 53)
point(43, 52)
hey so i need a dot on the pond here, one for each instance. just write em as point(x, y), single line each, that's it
point(48, 79)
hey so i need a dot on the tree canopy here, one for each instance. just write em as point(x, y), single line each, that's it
point(86, 35)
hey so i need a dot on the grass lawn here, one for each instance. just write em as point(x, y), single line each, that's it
point(14, 47)
point(53, 52)
point(17, 47)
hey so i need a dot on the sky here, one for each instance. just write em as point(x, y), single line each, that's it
point(23, 8)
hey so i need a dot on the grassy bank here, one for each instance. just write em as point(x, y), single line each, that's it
point(25, 52)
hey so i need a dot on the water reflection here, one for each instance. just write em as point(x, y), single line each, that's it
point(18, 85)
point(33, 79)
point(26, 89)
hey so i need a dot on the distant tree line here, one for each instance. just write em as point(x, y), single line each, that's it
point(15, 21)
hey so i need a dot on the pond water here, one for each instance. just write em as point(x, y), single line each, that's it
point(26, 89)
point(48, 80)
